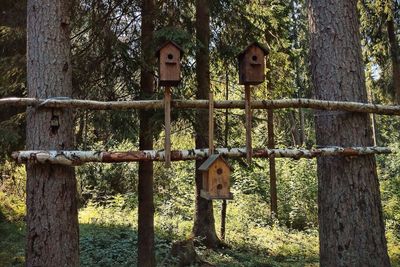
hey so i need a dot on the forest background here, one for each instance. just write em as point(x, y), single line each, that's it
point(106, 56)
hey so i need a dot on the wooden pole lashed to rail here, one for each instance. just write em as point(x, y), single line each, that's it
point(211, 123)
point(272, 165)
point(248, 113)
point(167, 123)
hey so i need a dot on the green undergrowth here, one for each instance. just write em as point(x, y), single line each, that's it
point(108, 237)
point(12, 230)
point(250, 245)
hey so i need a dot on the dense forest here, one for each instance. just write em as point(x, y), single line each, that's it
point(324, 211)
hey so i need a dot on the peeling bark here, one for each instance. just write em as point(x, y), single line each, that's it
point(72, 158)
point(345, 105)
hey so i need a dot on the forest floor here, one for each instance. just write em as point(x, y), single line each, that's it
point(109, 238)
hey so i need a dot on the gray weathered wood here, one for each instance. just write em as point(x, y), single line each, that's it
point(248, 113)
point(167, 124)
point(211, 123)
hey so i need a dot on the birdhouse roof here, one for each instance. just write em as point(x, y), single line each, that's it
point(167, 43)
point(257, 44)
point(210, 161)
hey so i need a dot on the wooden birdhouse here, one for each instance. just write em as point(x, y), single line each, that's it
point(216, 178)
point(252, 64)
point(169, 58)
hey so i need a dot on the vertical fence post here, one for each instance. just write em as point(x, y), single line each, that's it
point(247, 97)
point(211, 124)
point(167, 114)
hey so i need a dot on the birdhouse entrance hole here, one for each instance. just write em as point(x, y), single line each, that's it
point(252, 64)
point(169, 69)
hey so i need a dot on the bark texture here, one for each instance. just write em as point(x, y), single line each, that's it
point(350, 215)
point(73, 158)
point(395, 57)
point(52, 218)
point(62, 102)
point(204, 224)
point(146, 254)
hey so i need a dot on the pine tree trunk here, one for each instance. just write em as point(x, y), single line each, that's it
point(52, 218)
point(204, 225)
point(351, 226)
point(293, 128)
point(395, 56)
point(146, 254)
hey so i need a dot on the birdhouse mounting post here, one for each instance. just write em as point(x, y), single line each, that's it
point(167, 123)
point(248, 113)
point(251, 72)
point(169, 70)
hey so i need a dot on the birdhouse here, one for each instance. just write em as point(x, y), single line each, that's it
point(252, 64)
point(169, 58)
point(216, 178)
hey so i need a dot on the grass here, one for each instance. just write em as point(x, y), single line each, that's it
point(12, 243)
point(108, 237)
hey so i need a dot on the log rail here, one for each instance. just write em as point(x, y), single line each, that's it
point(203, 104)
point(73, 158)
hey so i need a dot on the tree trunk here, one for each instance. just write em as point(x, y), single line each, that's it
point(302, 125)
point(293, 128)
point(395, 56)
point(351, 226)
point(204, 225)
point(52, 217)
point(146, 254)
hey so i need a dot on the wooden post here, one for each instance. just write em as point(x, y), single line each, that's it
point(224, 202)
point(211, 124)
point(167, 114)
point(272, 169)
point(247, 99)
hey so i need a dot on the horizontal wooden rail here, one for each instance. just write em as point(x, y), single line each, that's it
point(203, 104)
point(72, 158)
